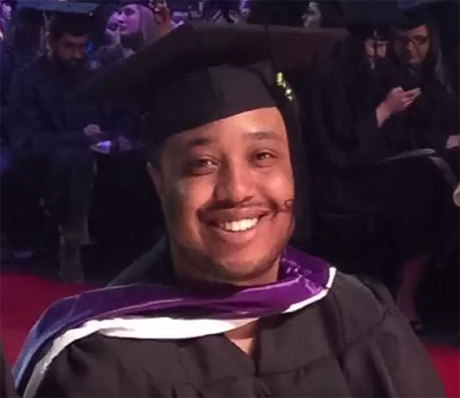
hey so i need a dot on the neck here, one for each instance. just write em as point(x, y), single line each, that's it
point(132, 42)
point(197, 273)
point(245, 337)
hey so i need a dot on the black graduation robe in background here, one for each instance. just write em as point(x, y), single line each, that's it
point(45, 125)
point(406, 204)
point(434, 116)
point(352, 343)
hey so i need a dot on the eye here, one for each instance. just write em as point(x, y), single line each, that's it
point(264, 158)
point(200, 166)
point(204, 163)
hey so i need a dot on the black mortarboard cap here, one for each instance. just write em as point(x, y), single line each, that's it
point(371, 12)
point(106, 9)
point(366, 18)
point(414, 17)
point(145, 3)
point(70, 7)
point(365, 31)
point(202, 72)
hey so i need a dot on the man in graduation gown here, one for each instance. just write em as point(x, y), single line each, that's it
point(51, 133)
point(224, 306)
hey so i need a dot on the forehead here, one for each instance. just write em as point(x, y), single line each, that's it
point(73, 40)
point(418, 31)
point(129, 9)
point(259, 124)
point(114, 16)
point(378, 41)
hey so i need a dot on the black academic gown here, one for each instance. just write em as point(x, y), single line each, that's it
point(46, 125)
point(353, 343)
point(401, 208)
point(434, 115)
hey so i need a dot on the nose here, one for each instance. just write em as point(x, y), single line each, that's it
point(77, 55)
point(410, 47)
point(120, 18)
point(235, 184)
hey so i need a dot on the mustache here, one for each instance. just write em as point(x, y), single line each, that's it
point(272, 206)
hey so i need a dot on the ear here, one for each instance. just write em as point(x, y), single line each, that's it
point(157, 179)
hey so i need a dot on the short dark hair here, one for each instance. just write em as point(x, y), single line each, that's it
point(69, 24)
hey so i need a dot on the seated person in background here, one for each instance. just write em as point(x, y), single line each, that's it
point(433, 120)
point(6, 11)
point(357, 117)
point(139, 25)
point(352, 114)
point(162, 14)
point(53, 132)
point(225, 307)
point(24, 42)
point(112, 25)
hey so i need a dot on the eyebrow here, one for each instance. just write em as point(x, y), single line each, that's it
point(253, 136)
point(263, 135)
point(197, 142)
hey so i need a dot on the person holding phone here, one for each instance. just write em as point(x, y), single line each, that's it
point(416, 48)
point(364, 111)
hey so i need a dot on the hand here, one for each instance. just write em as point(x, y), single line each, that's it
point(124, 144)
point(399, 100)
point(457, 196)
point(452, 142)
point(93, 132)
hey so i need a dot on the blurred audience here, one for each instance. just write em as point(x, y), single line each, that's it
point(138, 25)
point(417, 50)
point(112, 26)
point(360, 113)
point(24, 42)
point(53, 132)
point(6, 10)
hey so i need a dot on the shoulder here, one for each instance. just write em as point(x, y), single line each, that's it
point(370, 335)
point(358, 305)
point(81, 369)
point(30, 72)
point(99, 365)
point(90, 366)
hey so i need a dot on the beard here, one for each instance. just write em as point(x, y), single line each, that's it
point(202, 269)
point(69, 66)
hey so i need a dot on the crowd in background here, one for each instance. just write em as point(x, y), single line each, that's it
point(381, 129)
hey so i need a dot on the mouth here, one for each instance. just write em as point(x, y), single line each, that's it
point(243, 225)
point(236, 226)
point(237, 232)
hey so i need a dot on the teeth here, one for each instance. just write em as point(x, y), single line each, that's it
point(239, 226)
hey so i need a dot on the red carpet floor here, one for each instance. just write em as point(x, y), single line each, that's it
point(24, 298)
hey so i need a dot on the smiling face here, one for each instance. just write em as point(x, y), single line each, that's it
point(227, 191)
